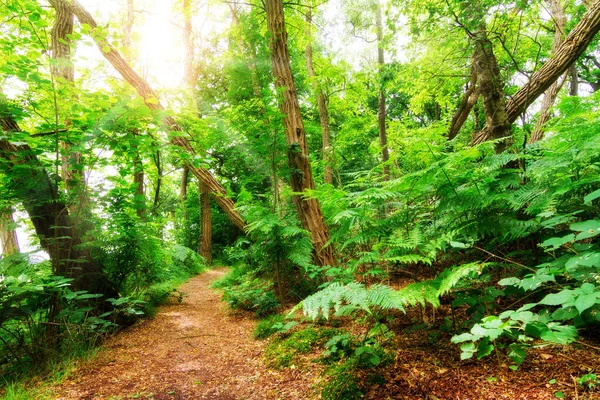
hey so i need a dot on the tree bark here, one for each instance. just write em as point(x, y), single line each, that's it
point(309, 209)
point(8, 233)
point(381, 106)
point(466, 105)
point(205, 242)
point(566, 54)
point(31, 185)
point(191, 79)
point(321, 104)
point(492, 92)
point(558, 16)
point(151, 99)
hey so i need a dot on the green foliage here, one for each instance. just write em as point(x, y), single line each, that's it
point(254, 295)
point(353, 297)
point(283, 351)
point(342, 383)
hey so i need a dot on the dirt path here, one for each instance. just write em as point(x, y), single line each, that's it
point(194, 350)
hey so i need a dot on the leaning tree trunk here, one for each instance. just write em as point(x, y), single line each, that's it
point(381, 106)
point(558, 16)
point(467, 103)
point(567, 53)
point(309, 209)
point(8, 233)
point(151, 99)
point(321, 104)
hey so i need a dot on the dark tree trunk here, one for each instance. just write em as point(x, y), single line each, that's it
point(309, 209)
point(31, 185)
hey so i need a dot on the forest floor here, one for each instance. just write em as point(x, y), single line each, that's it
point(193, 350)
point(201, 350)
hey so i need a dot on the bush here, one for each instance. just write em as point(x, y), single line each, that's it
point(267, 327)
point(252, 295)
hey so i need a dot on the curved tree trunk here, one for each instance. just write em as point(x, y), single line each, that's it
point(466, 105)
point(309, 209)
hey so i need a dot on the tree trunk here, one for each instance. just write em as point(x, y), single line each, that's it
point(32, 186)
point(191, 79)
point(309, 209)
point(492, 92)
point(144, 90)
point(558, 16)
point(321, 104)
point(566, 54)
point(573, 80)
point(205, 242)
point(8, 233)
point(381, 107)
point(466, 105)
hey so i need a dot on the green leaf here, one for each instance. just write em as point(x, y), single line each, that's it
point(556, 242)
point(588, 229)
point(467, 350)
point(585, 301)
point(560, 334)
point(106, 49)
point(517, 353)
point(458, 245)
point(592, 196)
point(556, 299)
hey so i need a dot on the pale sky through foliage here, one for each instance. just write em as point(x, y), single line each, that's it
point(157, 35)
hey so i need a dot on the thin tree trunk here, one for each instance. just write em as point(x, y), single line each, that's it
point(558, 16)
point(573, 80)
point(567, 53)
point(183, 193)
point(275, 181)
point(466, 105)
point(151, 99)
point(381, 106)
point(321, 104)
point(205, 242)
point(138, 165)
point(8, 233)
point(191, 79)
point(159, 176)
point(309, 209)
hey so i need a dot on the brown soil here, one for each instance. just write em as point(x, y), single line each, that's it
point(193, 350)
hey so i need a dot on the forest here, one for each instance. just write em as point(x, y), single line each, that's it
point(367, 199)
